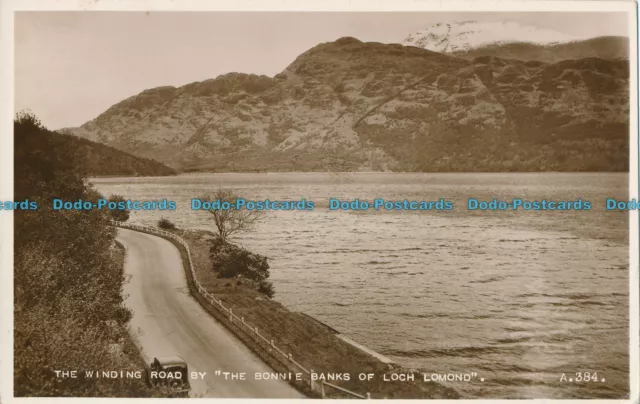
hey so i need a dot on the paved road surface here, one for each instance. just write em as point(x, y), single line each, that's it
point(173, 323)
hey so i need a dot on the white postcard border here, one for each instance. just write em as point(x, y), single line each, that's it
point(8, 7)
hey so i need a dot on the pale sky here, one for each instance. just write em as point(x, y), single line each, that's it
point(72, 66)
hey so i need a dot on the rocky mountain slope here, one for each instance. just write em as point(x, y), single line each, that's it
point(348, 105)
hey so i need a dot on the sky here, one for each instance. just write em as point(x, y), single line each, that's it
point(70, 66)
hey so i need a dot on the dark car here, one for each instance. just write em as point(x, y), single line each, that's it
point(172, 373)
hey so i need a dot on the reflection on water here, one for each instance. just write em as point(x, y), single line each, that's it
point(518, 297)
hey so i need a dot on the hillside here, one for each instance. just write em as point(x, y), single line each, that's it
point(99, 160)
point(349, 106)
point(610, 47)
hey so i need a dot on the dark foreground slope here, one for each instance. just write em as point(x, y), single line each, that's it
point(354, 106)
point(68, 275)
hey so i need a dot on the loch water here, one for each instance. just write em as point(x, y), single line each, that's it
point(517, 297)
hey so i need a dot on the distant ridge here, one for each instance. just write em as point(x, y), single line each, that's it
point(607, 47)
point(101, 160)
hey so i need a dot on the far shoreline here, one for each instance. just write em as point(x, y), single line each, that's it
point(210, 173)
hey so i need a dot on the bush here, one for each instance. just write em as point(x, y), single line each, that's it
point(266, 287)
point(230, 261)
point(116, 214)
point(166, 224)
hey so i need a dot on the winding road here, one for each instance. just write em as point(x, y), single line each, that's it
point(167, 321)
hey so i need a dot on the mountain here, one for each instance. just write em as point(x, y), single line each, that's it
point(463, 36)
point(348, 105)
point(511, 40)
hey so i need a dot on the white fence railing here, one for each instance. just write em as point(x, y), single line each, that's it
point(266, 344)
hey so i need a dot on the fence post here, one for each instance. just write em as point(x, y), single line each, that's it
point(242, 319)
point(230, 315)
point(322, 388)
point(272, 345)
point(368, 395)
point(290, 358)
point(311, 383)
point(256, 332)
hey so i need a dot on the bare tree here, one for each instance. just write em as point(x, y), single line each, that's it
point(231, 221)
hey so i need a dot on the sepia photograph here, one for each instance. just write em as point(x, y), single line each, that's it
point(399, 200)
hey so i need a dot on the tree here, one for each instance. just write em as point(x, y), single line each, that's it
point(231, 221)
point(120, 215)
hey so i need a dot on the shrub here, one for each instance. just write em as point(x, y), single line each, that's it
point(166, 224)
point(230, 261)
point(266, 287)
point(120, 215)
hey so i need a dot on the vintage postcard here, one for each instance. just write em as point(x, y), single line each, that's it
point(319, 200)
